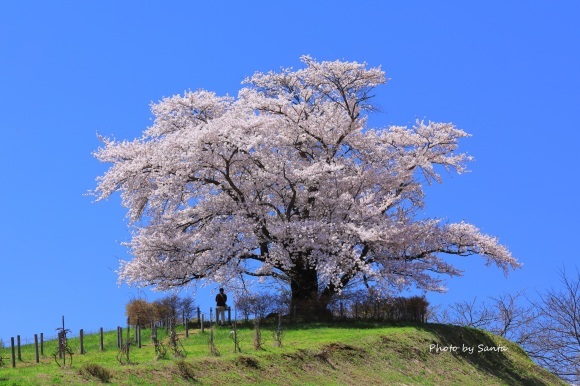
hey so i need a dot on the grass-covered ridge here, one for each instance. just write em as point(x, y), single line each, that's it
point(312, 354)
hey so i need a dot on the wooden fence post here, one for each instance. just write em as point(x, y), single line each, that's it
point(36, 347)
point(120, 337)
point(138, 336)
point(13, 353)
point(42, 343)
point(82, 338)
point(102, 346)
point(18, 342)
point(60, 343)
point(201, 321)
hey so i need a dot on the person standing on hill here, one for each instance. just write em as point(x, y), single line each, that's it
point(221, 300)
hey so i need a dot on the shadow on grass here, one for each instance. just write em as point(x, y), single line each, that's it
point(356, 325)
point(481, 350)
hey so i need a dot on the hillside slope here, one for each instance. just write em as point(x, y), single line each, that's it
point(422, 354)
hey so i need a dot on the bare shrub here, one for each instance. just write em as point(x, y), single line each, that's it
point(257, 335)
point(511, 316)
point(143, 313)
point(63, 349)
point(140, 312)
point(555, 339)
point(472, 314)
point(258, 305)
point(94, 370)
point(370, 305)
point(278, 333)
point(185, 370)
point(175, 344)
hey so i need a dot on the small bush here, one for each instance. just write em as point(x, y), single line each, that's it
point(185, 370)
point(97, 371)
point(371, 305)
point(260, 304)
point(248, 362)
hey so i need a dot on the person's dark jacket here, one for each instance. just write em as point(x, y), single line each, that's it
point(221, 299)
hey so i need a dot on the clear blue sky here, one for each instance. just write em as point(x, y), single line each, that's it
point(506, 72)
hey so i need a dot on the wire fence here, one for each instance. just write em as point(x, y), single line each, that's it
point(31, 349)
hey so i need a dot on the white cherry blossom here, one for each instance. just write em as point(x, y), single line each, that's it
point(287, 180)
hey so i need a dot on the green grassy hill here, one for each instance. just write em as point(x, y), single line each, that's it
point(313, 354)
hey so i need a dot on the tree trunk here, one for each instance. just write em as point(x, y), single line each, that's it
point(306, 304)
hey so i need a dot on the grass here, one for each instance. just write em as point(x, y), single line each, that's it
point(312, 354)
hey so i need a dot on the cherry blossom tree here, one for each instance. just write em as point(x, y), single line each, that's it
point(288, 181)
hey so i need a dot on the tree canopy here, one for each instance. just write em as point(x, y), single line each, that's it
point(287, 180)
